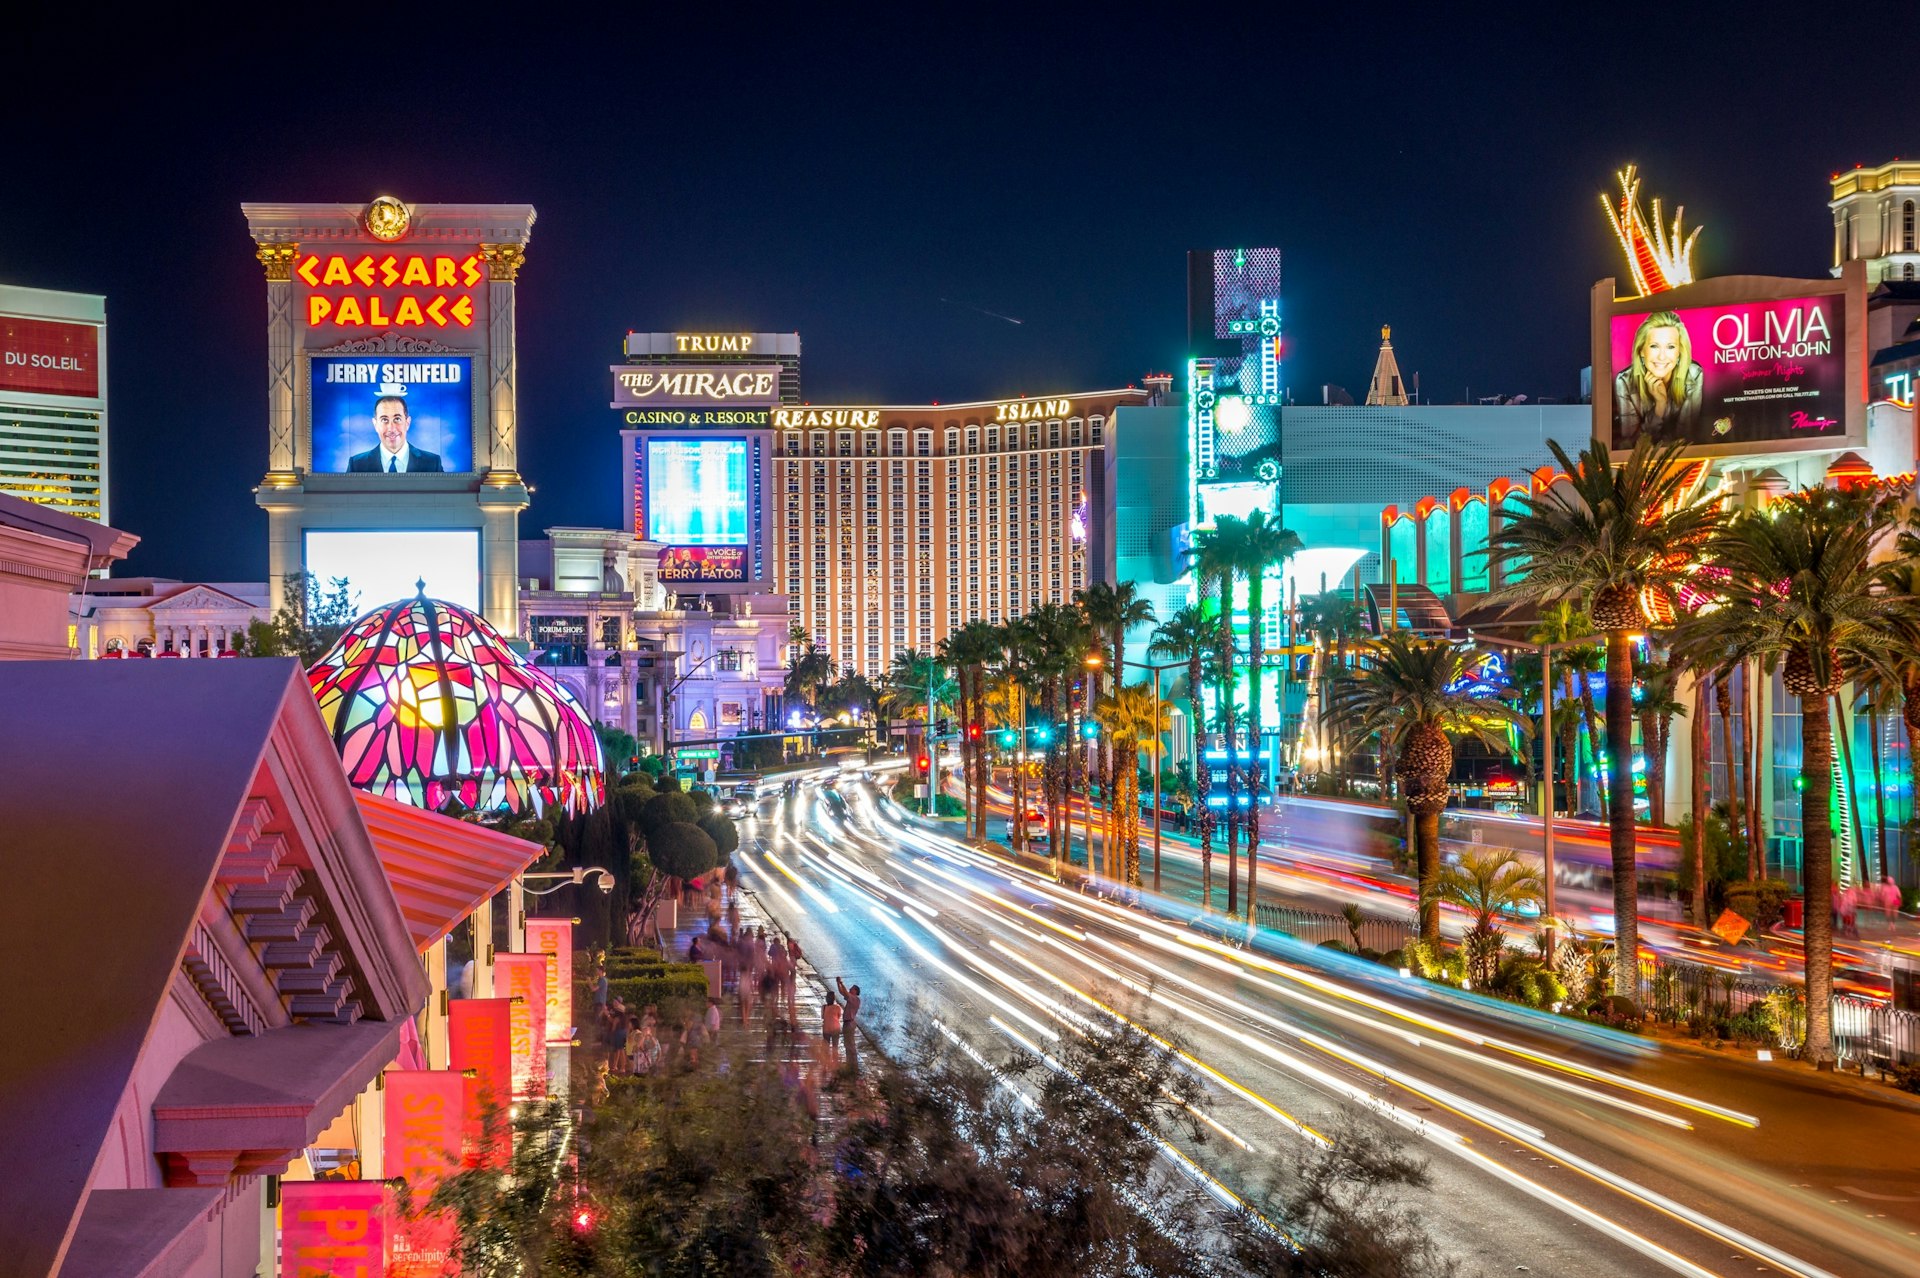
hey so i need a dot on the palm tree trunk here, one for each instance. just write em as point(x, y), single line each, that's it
point(1256, 608)
point(1756, 682)
point(1621, 834)
point(1816, 773)
point(1697, 736)
point(1879, 789)
point(1426, 842)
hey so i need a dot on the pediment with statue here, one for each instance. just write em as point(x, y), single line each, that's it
point(201, 599)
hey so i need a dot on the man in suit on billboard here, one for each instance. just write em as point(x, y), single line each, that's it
point(394, 455)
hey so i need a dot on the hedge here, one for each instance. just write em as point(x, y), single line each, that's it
point(674, 983)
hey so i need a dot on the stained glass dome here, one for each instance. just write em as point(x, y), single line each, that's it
point(428, 705)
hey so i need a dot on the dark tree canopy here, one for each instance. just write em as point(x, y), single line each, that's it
point(721, 830)
point(664, 809)
point(682, 849)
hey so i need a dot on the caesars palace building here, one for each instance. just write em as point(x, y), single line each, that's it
point(885, 527)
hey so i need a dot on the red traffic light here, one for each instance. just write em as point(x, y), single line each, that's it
point(923, 763)
point(973, 732)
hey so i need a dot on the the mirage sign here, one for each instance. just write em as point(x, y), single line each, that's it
point(694, 385)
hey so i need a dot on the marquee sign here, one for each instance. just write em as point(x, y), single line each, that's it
point(50, 357)
point(693, 385)
point(703, 563)
point(389, 290)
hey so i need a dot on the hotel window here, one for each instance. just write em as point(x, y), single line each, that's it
point(1053, 434)
point(973, 439)
point(819, 443)
point(1099, 424)
point(793, 443)
point(923, 443)
point(897, 443)
point(846, 443)
point(1073, 432)
point(870, 443)
point(1907, 229)
point(1906, 272)
point(993, 439)
point(953, 442)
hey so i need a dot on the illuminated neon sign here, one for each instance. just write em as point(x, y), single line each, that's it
point(693, 385)
point(801, 418)
point(713, 343)
point(1031, 410)
point(389, 290)
point(1900, 388)
point(1658, 257)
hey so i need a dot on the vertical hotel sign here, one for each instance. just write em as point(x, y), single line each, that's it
point(333, 1229)
point(523, 978)
point(554, 938)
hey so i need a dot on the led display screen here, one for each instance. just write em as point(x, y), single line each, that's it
point(392, 414)
point(384, 565)
point(1737, 373)
point(698, 492)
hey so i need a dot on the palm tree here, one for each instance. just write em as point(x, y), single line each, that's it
point(916, 684)
point(1402, 692)
point(1897, 669)
point(1112, 610)
point(1606, 536)
point(1489, 883)
point(1131, 716)
point(1053, 641)
point(1334, 619)
point(1800, 592)
point(1654, 705)
point(1263, 544)
point(809, 674)
point(970, 650)
point(1217, 557)
point(1189, 634)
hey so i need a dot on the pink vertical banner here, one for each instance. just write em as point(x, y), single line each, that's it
point(479, 1040)
point(333, 1229)
point(554, 938)
point(523, 978)
point(425, 1129)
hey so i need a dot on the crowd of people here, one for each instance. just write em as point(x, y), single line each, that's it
point(1883, 896)
point(762, 973)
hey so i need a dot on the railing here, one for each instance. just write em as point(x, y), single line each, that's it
point(1864, 1031)
point(1316, 928)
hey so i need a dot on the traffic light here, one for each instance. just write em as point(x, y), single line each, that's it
point(940, 726)
point(1090, 730)
point(1042, 733)
point(1008, 738)
point(923, 765)
point(973, 732)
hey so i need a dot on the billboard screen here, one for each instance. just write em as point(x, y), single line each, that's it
point(698, 492)
point(49, 357)
point(1736, 373)
point(395, 414)
point(703, 563)
point(383, 565)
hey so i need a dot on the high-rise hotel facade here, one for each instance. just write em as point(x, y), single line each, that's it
point(895, 525)
point(53, 399)
point(882, 527)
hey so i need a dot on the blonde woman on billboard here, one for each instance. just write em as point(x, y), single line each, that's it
point(1659, 393)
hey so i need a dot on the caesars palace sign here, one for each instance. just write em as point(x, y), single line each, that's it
point(389, 290)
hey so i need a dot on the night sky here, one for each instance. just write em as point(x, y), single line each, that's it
point(879, 185)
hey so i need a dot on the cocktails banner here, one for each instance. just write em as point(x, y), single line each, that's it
point(554, 938)
point(479, 1038)
point(333, 1229)
point(523, 978)
point(425, 1129)
point(1737, 373)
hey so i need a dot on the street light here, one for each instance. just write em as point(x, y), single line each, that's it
point(518, 893)
point(1546, 651)
point(1157, 670)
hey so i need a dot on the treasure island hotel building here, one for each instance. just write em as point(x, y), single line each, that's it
point(886, 527)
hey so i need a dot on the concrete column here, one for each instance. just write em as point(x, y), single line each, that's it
point(503, 268)
point(434, 1040)
point(1680, 753)
point(282, 449)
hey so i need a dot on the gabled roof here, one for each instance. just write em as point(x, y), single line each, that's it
point(124, 785)
point(440, 868)
point(179, 597)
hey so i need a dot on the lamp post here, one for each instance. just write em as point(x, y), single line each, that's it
point(517, 895)
point(1546, 651)
point(1157, 671)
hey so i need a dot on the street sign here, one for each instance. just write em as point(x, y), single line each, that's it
point(697, 752)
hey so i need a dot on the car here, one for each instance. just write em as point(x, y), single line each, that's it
point(1036, 826)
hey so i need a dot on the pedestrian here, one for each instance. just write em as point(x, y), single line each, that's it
point(600, 988)
point(780, 971)
point(646, 1051)
point(713, 1018)
point(694, 953)
point(790, 990)
point(617, 1045)
point(850, 995)
point(830, 1017)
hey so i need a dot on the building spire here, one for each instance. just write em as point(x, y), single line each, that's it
point(1386, 387)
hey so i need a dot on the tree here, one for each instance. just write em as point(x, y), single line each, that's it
point(616, 747)
point(682, 849)
point(1489, 884)
point(1112, 610)
point(311, 619)
point(1404, 692)
point(665, 808)
point(917, 686)
point(1800, 593)
point(1334, 619)
point(1606, 536)
point(810, 671)
point(1130, 716)
point(1217, 557)
point(719, 827)
point(970, 650)
point(1263, 544)
point(1188, 634)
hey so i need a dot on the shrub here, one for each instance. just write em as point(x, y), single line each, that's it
point(1619, 1011)
point(1395, 959)
point(1483, 952)
point(1762, 902)
point(1526, 979)
point(1904, 1077)
point(675, 986)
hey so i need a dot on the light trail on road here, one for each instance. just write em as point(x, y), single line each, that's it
point(1248, 1016)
